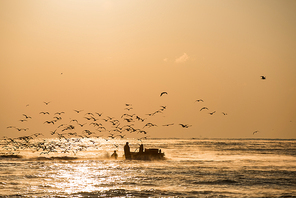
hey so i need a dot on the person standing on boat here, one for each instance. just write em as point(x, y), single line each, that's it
point(127, 152)
point(141, 149)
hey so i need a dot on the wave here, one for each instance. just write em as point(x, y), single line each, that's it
point(56, 158)
point(217, 182)
point(142, 193)
point(11, 156)
point(38, 158)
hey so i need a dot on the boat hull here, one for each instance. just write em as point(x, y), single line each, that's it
point(147, 156)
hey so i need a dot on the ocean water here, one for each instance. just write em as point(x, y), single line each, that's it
point(192, 168)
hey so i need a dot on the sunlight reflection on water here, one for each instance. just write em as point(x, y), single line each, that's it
point(191, 169)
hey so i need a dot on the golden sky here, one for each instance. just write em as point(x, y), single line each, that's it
point(97, 56)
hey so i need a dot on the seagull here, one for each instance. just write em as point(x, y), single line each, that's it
point(37, 134)
point(204, 108)
point(59, 113)
point(122, 136)
point(140, 119)
point(78, 111)
point(163, 108)
point(199, 100)
point(42, 112)
point(212, 112)
point(224, 113)
point(263, 77)
point(141, 131)
point(164, 92)
point(129, 119)
point(255, 132)
point(46, 103)
point(150, 125)
point(74, 120)
point(99, 114)
point(185, 125)
point(20, 129)
point(48, 122)
point(168, 124)
point(87, 118)
point(81, 124)
point(53, 132)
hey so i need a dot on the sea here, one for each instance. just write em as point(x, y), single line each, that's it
point(82, 167)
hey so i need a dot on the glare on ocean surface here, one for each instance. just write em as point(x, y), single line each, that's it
point(192, 168)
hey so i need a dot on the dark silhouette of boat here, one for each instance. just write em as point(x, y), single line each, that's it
point(147, 154)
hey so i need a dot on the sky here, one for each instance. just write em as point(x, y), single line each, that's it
point(98, 56)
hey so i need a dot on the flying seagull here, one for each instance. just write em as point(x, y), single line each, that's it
point(26, 116)
point(168, 124)
point(255, 132)
point(42, 112)
point(199, 100)
point(263, 77)
point(204, 108)
point(185, 125)
point(164, 92)
point(212, 112)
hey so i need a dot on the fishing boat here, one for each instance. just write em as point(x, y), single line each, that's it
point(147, 154)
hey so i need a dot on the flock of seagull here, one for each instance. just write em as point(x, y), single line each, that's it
point(72, 131)
point(92, 125)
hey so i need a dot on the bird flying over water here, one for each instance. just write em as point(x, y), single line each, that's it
point(20, 129)
point(59, 113)
point(99, 114)
point(263, 77)
point(168, 124)
point(255, 132)
point(164, 92)
point(150, 125)
point(199, 100)
point(27, 116)
point(185, 125)
point(212, 112)
point(46, 103)
point(49, 122)
point(42, 112)
point(204, 108)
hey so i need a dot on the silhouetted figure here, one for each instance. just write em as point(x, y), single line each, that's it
point(141, 149)
point(127, 152)
point(263, 77)
point(114, 155)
